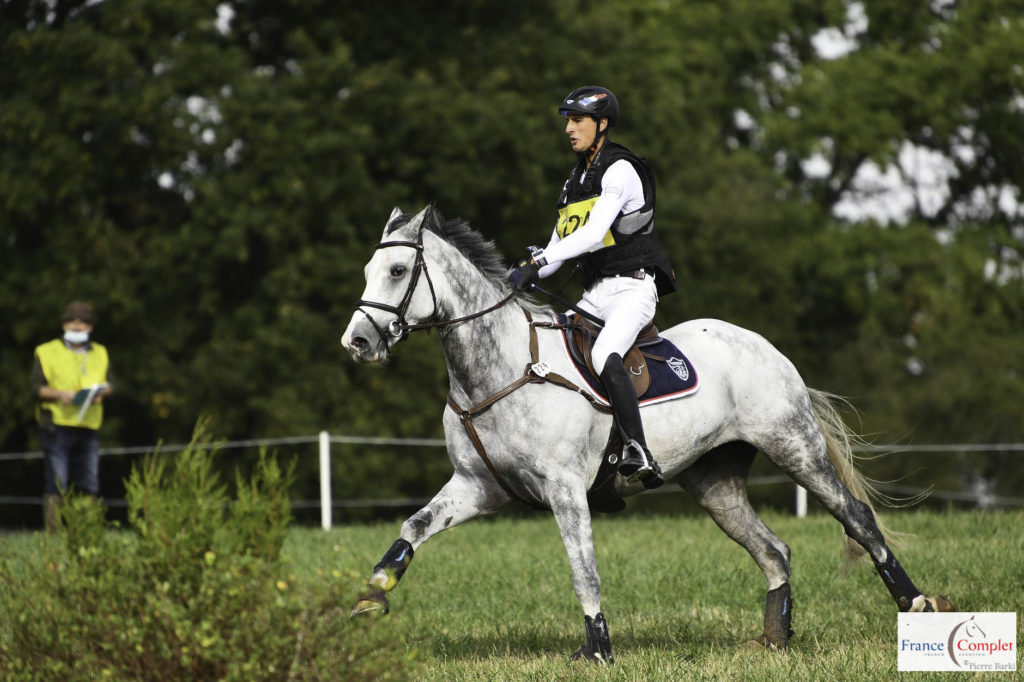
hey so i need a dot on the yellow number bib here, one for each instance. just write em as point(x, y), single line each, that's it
point(574, 216)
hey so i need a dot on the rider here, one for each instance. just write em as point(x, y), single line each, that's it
point(606, 220)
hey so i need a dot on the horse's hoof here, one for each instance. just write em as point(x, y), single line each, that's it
point(586, 653)
point(370, 602)
point(763, 643)
point(939, 604)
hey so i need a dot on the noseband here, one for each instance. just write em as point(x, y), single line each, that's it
point(399, 328)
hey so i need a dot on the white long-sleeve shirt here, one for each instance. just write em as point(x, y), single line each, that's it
point(621, 192)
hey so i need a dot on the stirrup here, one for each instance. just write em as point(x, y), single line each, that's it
point(638, 465)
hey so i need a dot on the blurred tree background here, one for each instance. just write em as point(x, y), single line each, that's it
point(842, 177)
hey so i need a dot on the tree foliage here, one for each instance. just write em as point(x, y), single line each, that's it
point(212, 178)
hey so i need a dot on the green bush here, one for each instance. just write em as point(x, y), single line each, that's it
point(198, 591)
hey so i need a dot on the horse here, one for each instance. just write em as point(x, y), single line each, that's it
point(519, 434)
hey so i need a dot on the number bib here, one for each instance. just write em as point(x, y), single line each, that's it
point(574, 216)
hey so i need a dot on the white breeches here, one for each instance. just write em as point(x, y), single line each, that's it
point(627, 306)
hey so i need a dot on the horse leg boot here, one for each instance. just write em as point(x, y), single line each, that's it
point(778, 619)
point(637, 464)
point(386, 574)
point(598, 648)
point(904, 592)
point(462, 498)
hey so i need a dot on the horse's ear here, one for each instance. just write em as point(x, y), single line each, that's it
point(416, 224)
point(396, 213)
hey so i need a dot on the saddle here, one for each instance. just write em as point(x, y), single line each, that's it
point(581, 343)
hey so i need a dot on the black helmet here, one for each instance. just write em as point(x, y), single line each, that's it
point(591, 100)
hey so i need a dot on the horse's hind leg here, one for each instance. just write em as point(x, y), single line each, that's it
point(859, 522)
point(718, 482)
point(818, 457)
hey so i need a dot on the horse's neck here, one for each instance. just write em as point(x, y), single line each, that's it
point(485, 354)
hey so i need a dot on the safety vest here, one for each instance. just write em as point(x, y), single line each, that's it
point(631, 242)
point(66, 370)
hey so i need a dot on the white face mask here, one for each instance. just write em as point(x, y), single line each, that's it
point(76, 337)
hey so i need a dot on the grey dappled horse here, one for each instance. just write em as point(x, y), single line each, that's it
point(510, 432)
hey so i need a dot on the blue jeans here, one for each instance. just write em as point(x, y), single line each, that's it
point(71, 458)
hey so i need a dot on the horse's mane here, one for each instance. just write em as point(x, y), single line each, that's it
point(480, 251)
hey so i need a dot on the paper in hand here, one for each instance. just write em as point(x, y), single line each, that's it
point(84, 398)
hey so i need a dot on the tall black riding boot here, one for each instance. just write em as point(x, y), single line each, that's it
point(636, 463)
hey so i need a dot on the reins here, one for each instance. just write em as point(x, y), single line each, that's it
point(465, 318)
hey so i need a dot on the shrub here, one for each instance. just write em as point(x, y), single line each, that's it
point(197, 591)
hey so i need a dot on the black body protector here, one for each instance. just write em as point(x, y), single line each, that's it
point(632, 242)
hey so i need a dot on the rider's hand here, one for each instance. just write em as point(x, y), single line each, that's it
point(524, 275)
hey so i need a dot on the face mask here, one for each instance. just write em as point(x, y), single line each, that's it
point(76, 337)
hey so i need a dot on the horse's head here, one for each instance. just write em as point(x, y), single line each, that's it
point(398, 290)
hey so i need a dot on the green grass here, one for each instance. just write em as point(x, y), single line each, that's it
point(493, 600)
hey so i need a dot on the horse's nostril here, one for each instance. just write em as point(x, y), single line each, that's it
point(359, 343)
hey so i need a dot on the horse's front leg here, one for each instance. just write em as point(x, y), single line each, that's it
point(461, 499)
point(569, 505)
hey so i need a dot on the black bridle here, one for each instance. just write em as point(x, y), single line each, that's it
point(399, 328)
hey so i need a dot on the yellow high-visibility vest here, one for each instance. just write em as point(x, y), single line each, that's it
point(66, 370)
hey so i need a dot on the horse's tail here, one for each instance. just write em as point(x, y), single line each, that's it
point(839, 442)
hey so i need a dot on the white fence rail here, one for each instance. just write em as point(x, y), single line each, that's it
point(327, 503)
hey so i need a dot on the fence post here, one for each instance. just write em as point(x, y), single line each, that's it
point(325, 480)
point(801, 502)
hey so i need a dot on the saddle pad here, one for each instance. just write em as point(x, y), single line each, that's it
point(672, 374)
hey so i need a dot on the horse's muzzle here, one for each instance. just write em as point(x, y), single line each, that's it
point(364, 344)
point(361, 350)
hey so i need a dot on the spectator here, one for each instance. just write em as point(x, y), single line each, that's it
point(70, 380)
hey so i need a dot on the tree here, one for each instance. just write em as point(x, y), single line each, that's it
point(213, 178)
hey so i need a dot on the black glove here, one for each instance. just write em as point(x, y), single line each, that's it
point(524, 275)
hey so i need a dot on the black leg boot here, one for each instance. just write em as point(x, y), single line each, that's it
point(636, 463)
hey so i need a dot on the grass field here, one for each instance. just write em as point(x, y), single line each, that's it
point(492, 600)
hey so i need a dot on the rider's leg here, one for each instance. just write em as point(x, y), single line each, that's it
point(627, 306)
point(637, 463)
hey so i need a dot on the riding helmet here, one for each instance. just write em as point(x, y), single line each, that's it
point(591, 100)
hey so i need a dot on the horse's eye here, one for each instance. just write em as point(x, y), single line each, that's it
point(397, 271)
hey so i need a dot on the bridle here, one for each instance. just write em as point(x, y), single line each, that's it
point(535, 372)
point(399, 328)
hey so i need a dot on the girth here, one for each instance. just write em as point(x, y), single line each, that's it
point(536, 372)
